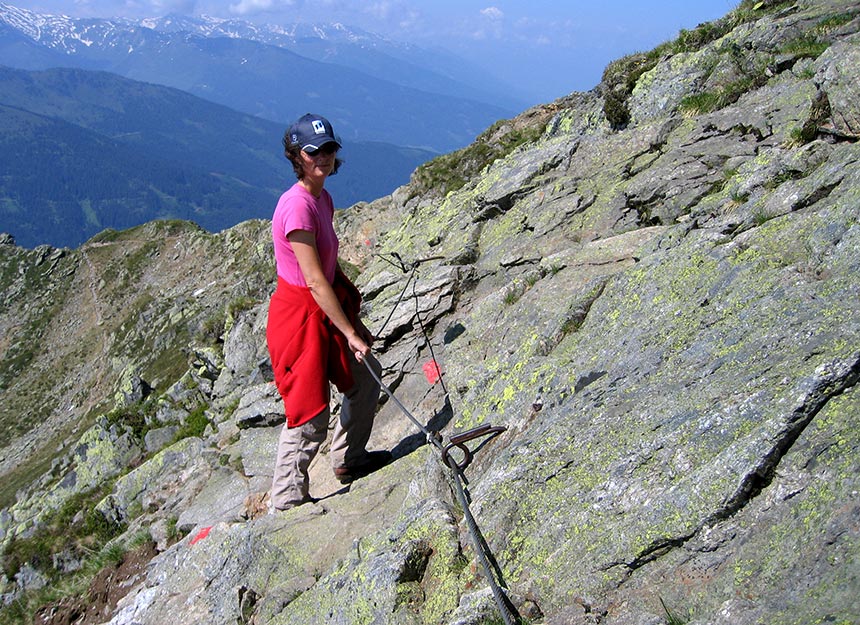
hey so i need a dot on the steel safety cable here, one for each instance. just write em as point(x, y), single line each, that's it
point(399, 299)
point(412, 278)
point(478, 543)
point(431, 438)
point(506, 609)
point(424, 332)
point(412, 270)
point(481, 548)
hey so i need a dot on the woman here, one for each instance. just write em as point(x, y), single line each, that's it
point(313, 333)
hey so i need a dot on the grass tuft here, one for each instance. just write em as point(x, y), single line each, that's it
point(450, 172)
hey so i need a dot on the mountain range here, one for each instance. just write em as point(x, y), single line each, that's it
point(112, 123)
point(371, 89)
point(83, 151)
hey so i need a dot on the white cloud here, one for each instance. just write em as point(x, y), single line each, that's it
point(491, 26)
point(251, 7)
point(494, 13)
point(393, 18)
point(379, 10)
point(410, 21)
point(245, 7)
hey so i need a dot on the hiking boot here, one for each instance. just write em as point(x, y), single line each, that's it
point(374, 461)
point(290, 505)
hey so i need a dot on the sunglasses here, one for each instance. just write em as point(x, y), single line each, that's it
point(328, 148)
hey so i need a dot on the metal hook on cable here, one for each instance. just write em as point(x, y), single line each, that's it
point(459, 441)
point(402, 265)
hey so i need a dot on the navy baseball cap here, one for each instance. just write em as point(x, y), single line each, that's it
point(311, 132)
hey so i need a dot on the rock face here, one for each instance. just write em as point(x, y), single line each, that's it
point(661, 310)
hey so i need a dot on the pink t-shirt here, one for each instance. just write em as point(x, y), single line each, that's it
point(298, 209)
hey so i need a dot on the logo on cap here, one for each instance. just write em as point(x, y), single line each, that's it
point(319, 127)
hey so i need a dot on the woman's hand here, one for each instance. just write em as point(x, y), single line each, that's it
point(358, 346)
point(361, 341)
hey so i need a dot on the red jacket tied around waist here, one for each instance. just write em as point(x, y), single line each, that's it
point(307, 351)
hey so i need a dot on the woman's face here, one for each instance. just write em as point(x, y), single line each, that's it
point(320, 163)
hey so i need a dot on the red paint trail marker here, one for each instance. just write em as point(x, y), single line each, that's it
point(201, 535)
point(431, 371)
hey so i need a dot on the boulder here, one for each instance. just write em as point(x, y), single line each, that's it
point(837, 77)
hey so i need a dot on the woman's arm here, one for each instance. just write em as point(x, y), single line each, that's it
point(305, 248)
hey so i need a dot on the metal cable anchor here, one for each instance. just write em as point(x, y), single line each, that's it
point(459, 441)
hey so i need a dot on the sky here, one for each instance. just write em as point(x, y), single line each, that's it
point(545, 48)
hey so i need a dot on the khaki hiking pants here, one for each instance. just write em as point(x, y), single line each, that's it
point(298, 446)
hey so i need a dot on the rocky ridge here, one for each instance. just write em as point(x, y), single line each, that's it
point(655, 294)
